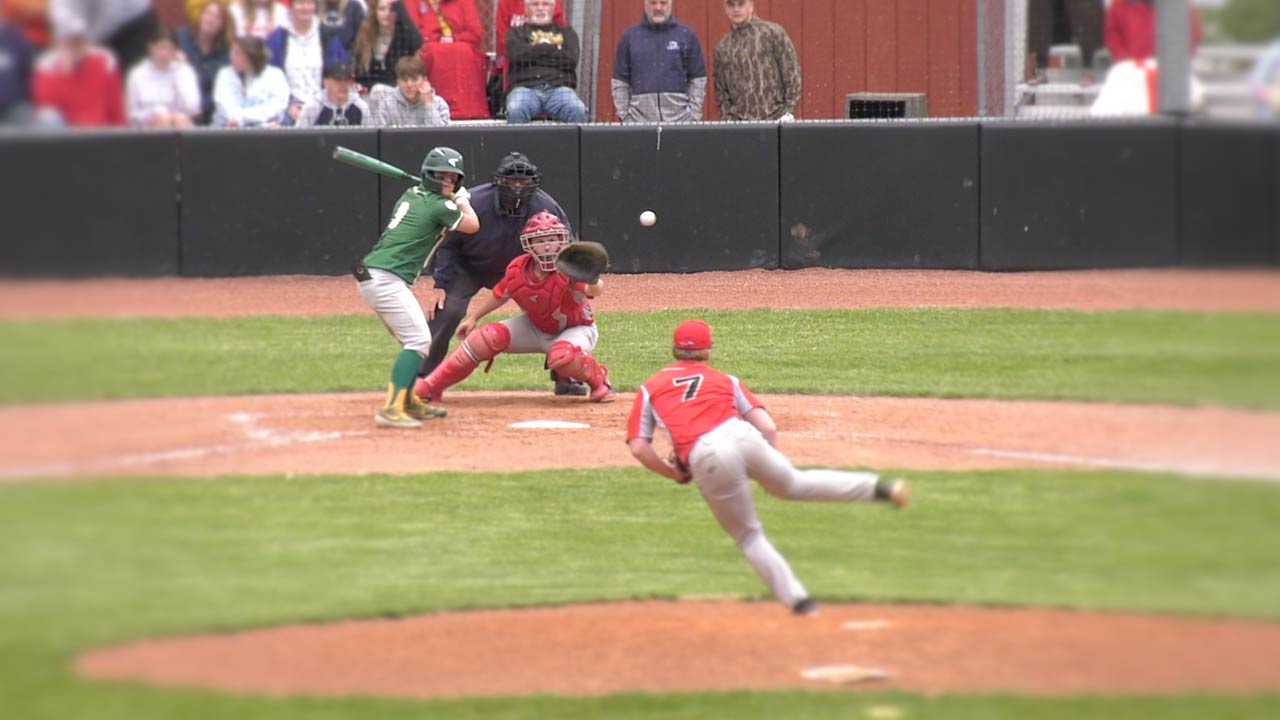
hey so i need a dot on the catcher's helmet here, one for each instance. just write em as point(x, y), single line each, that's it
point(442, 159)
point(517, 179)
point(543, 237)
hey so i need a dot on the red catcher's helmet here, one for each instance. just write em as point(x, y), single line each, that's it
point(543, 237)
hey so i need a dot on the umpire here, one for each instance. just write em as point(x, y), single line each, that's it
point(465, 263)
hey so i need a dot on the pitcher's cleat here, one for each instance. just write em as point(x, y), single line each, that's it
point(807, 606)
point(418, 410)
point(393, 417)
point(894, 490)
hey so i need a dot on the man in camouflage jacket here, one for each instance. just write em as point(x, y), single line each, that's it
point(757, 72)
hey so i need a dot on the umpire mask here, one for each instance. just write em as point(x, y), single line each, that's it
point(517, 179)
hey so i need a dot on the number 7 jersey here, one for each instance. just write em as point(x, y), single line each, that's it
point(689, 399)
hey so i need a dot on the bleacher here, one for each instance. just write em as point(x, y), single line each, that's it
point(1067, 88)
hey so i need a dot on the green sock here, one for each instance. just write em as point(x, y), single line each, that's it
point(405, 371)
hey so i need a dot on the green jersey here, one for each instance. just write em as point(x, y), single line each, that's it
point(419, 220)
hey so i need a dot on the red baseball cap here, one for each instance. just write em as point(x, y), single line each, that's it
point(693, 335)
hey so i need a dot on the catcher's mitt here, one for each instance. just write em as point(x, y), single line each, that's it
point(583, 261)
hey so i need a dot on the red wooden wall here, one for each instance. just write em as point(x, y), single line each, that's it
point(845, 46)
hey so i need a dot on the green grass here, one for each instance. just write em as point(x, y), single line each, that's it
point(1133, 356)
point(88, 564)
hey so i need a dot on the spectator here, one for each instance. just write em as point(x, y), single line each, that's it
point(343, 18)
point(206, 44)
point(124, 26)
point(250, 92)
point(301, 49)
point(757, 72)
point(453, 53)
point(258, 18)
point(412, 103)
point(16, 58)
point(1264, 83)
point(1131, 30)
point(510, 14)
point(659, 74)
point(1059, 22)
point(162, 91)
point(75, 83)
point(543, 68)
point(386, 35)
point(29, 16)
point(337, 106)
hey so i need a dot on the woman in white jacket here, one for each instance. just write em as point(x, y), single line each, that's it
point(249, 92)
point(162, 91)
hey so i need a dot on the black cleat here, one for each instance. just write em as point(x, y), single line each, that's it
point(806, 606)
point(569, 388)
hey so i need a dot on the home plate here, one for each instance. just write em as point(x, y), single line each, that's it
point(548, 425)
point(844, 674)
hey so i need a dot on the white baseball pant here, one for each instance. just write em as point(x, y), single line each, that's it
point(526, 338)
point(388, 296)
point(721, 462)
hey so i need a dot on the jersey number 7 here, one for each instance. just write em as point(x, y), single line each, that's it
point(692, 383)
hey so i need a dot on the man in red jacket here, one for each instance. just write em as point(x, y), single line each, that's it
point(77, 84)
point(1131, 30)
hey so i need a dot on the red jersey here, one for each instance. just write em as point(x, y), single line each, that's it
point(553, 303)
point(690, 399)
point(1130, 30)
point(91, 94)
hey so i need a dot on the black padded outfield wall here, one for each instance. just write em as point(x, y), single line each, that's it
point(714, 189)
point(89, 204)
point(275, 202)
point(1228, 211)
point(553, 148)
point(1080, 195)
point(879, 195)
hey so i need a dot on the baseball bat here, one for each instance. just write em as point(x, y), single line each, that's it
point(364, 162)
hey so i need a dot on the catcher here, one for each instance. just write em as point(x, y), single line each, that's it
point(551, 283)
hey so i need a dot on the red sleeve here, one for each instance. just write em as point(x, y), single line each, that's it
point(503, 288)
point(466, 23)
point(44, 89)
point(115, 98)
point(1114, 35)
point(558, 18)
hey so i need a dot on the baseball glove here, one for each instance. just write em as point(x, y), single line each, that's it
point(583, 261)
point(685, 474)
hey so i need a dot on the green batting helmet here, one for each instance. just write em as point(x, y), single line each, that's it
point(441, 159)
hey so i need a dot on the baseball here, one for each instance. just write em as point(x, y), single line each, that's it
point(647, 218)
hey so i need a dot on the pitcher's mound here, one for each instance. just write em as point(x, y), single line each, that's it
point(705, 645)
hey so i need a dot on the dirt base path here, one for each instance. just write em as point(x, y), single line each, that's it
point(335, 433)
point(306, 295)
point(688, 646)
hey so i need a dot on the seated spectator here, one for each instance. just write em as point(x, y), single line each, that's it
point(250, 92)
point(162, 91)
point(453, 53)
point(412, 103)
point(1264, 83)
point(343, 18)
point(124, 26)
point(386, 35)
point(542, 73)
point(338, 105)
point(651, 83)
point(16, 58)
point(258, 18)
point(75, 83)
point(29, 16)
point(301, 49)
point(1131, 30)
point(510, 14)
point(206, 45)
point(1064, 22)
